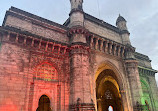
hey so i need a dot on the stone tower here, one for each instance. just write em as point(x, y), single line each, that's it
point(121, 24)
point(76, 14)
point(80, 96)
point(130, 61)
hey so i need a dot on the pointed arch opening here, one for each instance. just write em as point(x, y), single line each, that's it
point(44, 104)
point(146, 97)
point(108, 91)
point(110, 108)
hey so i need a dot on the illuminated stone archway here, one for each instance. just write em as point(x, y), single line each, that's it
point(146, 97)
point(107, 91)
point(44, 104)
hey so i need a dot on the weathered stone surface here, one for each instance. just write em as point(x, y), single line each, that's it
point(73, 65)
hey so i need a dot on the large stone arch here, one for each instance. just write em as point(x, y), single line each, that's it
point(121, 79)
point(109, 65)
point(146, 98)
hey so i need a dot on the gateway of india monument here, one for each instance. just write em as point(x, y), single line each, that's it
point(85, 64)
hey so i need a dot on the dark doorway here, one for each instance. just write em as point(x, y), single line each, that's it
point(44, 104)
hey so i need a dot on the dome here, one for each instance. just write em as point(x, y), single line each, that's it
point(119, 19)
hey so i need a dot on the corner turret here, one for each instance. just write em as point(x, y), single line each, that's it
point(76, 14)
point(76, 5)
point(121, 25)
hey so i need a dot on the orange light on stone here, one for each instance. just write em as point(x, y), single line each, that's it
point(9, 106)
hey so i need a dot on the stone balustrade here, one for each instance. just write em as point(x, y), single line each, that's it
point(95, 42)
point(38, 44)
point(106, 46)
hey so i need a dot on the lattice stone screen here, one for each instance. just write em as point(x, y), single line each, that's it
point(46, 72)
point(108, 95)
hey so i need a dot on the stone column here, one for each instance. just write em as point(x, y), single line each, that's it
point(32, 43)
point(133, 75)
point(80, 82)
point(125, 101)
point(122, 52)
point(5, 37)
point(101, 45)
point(114, 50)
point(110, 47)
point(96, 44)
point(153, 91)
point(46, 46)
point(80, 92)
point(118, 51)
point(99, 102)
point(106, 46)
point(91, 43)
point(25, 40)
point(134, 80)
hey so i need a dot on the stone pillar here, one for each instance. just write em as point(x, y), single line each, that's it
point(134, 80)
point(17, 38)
point(101, 45)
point(1, 36)
point(96, 44)
point(32, 44)
point(153, 91)
point(76, 14)
point(80, 82)
point(25, 40)
point(80, 92)
point(118, 51)
point(133, 75)
point(114, 50)
point(5, 37)
point(106, 46)
point(99, 102)
point(91, 43)
point(110, 47)
point(122, 52)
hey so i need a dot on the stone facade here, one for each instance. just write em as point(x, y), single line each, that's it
point(85, 64)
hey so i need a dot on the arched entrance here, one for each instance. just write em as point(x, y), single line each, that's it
point(146, 97)
point(110, 108)
point(107, 92)
point(44, 104)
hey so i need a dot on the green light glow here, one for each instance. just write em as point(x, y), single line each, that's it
point(145, 98)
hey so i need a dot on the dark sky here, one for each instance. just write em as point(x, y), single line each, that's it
point(141, 16)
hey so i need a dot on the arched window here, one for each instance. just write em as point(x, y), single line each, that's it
point(46, 72)
point(110, 108)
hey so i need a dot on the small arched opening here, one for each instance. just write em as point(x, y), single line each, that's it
point(110, 108)
point(44, 104)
